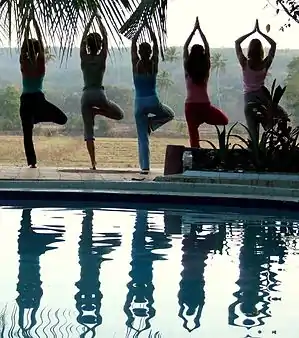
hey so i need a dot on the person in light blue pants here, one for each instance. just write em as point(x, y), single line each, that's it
point(150, 113)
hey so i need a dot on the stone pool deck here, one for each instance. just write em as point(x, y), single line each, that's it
point(279, 187)
point(75, 174)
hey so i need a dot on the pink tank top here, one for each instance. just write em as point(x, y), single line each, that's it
point(196, 93)
point(253, 80)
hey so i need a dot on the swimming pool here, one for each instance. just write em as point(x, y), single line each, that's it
point(208, 272)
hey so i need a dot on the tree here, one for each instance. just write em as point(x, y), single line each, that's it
point(164, 79)
point(171, 54)
point(48, 55)
point(164, 82)
point(9, 102)
point(218, 66)
point(292, 82)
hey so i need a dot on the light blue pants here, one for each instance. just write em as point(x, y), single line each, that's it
point(150, 115)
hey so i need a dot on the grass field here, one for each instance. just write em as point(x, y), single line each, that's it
point(64, 151)
point(67, 151)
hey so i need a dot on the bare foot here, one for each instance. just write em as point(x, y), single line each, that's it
point(93, 166)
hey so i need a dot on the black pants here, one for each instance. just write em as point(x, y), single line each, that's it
point(34, 108)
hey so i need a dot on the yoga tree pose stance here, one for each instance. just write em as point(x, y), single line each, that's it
point(34, 108)
point(93, 54)
point(150, 113)
point(255, 69)
point(198, 108)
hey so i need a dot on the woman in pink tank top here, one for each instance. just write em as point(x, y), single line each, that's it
point(255, 68)
point(198, 108)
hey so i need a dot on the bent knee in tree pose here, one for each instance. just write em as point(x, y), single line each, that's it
point(34, 108)
point(150, 113)
point(255, 68)
point(198, 108)
point(93, 54)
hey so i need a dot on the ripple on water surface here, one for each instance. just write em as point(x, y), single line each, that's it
point(73, 272)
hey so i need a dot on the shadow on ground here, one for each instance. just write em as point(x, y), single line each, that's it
point(100, 171)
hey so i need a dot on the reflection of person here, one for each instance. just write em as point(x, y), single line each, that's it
point(31, 246)
point(34, 108)
point(91, 255)
point(93, 53)
point(191, 294)
point(255, 69)
point(139, 302)
point(145, 69)
point(198, 108)
point(257, 280)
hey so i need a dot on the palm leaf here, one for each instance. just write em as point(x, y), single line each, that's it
point(246, 143)
point(64, 20)
point(237, 145)
point(273, 88)
point(210, 143)
point(229, 133)
point(153, 11)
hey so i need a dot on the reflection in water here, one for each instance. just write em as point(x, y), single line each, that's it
point(256, 280)
point(259, 252)
point(31, 245)
point(139, 302)
point(191, 296)
point(172, 223)
point(91, 251)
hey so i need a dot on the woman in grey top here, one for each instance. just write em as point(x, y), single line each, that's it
point(93, 54)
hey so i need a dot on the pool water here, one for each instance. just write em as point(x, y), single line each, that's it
point(138, 273)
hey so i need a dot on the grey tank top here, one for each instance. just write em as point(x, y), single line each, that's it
point(93, 69)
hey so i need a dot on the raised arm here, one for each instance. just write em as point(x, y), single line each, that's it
point(272, 51)
point(39, 38)
point(204, 40)
point(134, 51)
point(187, 43)
point(25, 43)
point(104, 50)
point(155, 57)
point(83, 43)
point(240, 55)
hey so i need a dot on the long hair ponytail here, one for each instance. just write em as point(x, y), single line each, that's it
point(198, 65)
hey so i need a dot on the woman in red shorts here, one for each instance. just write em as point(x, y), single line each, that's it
point(198, 108)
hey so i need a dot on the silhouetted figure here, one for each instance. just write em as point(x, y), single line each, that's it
point(256, 279)
point(139, 302)
point(93, 55)
point(150, 113)
point(191, 296)
point(198, 107)
point(34, 108)
point(31, 246)
point(255, 68)
point(91, 251)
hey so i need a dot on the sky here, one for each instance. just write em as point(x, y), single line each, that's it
point(223, 21)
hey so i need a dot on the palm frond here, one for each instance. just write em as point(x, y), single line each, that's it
point(152, 11)
point(291, 8)
point(62, 20)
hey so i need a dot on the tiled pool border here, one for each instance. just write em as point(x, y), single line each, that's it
point(277, 180)
point(174, 193)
